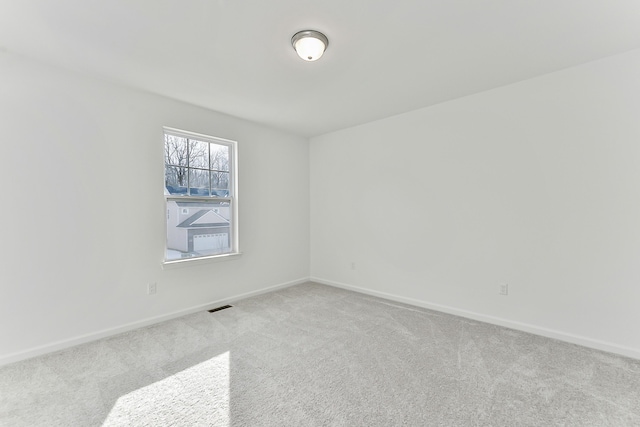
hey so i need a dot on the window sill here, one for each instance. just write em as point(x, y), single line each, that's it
point(200, 260)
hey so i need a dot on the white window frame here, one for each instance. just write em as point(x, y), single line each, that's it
point(231, 198)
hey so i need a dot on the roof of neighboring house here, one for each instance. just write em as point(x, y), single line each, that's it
point(169, 189)
point(204, 218)
point(198, 203)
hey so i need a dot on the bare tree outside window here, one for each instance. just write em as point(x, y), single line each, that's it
point(195, 167)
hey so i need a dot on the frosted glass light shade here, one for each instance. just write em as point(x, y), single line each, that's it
point(310, 45)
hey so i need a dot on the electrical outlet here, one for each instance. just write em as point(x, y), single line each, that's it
point(152, 288)
point(504, 289)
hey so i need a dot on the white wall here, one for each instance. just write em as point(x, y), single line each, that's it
point(82, 217)
point(536, 184)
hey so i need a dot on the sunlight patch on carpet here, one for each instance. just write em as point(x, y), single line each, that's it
point(198, 395)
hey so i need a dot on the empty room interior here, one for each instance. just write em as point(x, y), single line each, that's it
point(336, 213)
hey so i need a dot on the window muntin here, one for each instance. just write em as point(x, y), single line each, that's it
point(200, 193)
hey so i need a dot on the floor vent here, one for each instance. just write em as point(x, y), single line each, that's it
point(213, 310)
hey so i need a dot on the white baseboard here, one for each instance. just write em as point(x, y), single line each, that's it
point(537, 330)
point(71, 342)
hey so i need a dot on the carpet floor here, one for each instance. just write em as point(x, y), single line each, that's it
point(313, 355)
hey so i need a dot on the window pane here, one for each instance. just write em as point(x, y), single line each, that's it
point(175, 150)
point(198, 154)
point(198, 174)
point(219, 157)
point(198, 182)
point(220, 184)
point(197, 228)
point(175, 179)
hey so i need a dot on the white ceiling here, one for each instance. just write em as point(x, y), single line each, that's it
point(385, 56)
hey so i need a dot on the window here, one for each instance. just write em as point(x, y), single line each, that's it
point(201, 196)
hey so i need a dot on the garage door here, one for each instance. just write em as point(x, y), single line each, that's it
point(218, 242)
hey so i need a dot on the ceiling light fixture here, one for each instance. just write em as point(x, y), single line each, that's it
point(309, 44)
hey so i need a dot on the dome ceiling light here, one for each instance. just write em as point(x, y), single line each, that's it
point(309, 44)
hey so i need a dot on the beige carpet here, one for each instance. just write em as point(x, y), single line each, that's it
point(312, 355)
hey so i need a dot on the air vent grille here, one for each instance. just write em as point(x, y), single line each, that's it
point(213, 310)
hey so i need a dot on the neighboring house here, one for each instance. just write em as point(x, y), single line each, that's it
point(198, 227)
